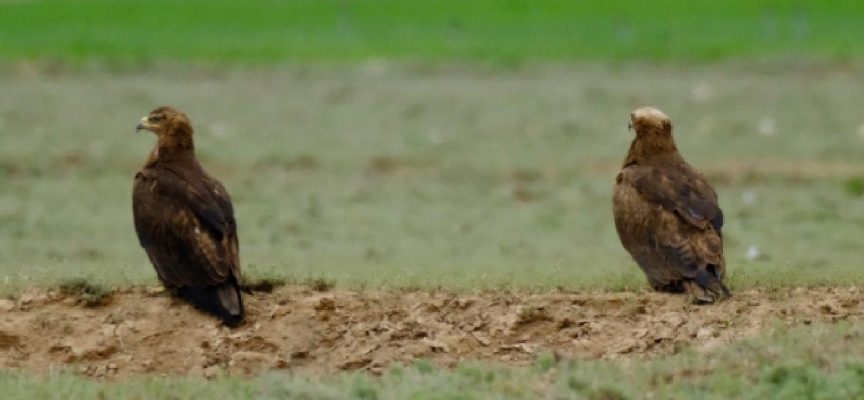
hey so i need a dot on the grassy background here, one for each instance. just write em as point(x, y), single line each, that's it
point(454, 177)
point(131, 32)
point(820, 362)
point(380, 143)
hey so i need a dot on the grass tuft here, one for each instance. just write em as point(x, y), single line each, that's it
point(89, 293)
point(854, 186)
point(265, 284)
point(321, 284)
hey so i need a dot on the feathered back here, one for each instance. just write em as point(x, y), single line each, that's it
point(666, 213)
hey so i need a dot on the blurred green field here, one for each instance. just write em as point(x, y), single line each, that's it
point(444, 144)
point(819, 362)
point(137, 33)
point(456, 177)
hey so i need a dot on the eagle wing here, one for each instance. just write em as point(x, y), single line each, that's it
point(669, 219)
point(679, 189)
point(185, 222)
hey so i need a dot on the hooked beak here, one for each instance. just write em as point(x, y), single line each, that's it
point(629, 126)
point(141, 125)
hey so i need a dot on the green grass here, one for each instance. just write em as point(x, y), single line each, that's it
point(819, 362)
point(89, 293)
point(453, 177)
point(387, 156)
point(135, 32)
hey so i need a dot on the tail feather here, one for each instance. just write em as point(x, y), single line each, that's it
point(712, 283)
point(222, 300)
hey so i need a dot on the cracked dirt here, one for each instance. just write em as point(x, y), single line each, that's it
point(135, 332)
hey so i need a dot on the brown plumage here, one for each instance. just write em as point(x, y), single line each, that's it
point(185, 221)
point(667, 215)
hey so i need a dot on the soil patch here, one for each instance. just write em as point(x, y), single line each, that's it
point(139, 332)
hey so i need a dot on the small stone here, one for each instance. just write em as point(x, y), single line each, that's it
point(250, 361)
point(325, 304)
point(211, 371)
point(31, 299)
point(481, 339)
point(7, 305)
point(123, 331)
point(704, 333)
point(108, 330)
point(465, 302)
point(70, 301)
point(626, 347)
point(437, 345)
point(196, 372)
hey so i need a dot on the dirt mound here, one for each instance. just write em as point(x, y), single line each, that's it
point(137, 332)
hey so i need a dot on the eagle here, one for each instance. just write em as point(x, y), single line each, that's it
point(667, 214)
point(184, 220)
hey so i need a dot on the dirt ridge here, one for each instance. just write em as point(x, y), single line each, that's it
point(137, 332)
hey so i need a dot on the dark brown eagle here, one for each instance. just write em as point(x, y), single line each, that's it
point(185, 221)
point(667, 215)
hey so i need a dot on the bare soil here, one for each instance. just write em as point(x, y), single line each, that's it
point(137, 331)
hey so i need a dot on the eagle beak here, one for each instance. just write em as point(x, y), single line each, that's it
point(629, 126)
point(141, 125)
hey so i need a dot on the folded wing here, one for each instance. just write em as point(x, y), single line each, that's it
point(185, 222)
point(669, 219)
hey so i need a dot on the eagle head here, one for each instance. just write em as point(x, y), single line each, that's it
point(648, 120)
point(166, 121)
point(653, 136)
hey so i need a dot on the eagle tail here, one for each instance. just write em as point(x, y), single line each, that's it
point(222, 300)
point(712, 283)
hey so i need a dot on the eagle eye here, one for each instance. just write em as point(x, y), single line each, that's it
point(156, 118)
